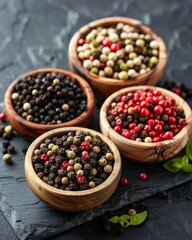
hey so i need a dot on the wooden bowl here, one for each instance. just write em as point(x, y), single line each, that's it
point(72, 201)
point(147, 152)
point(106, 86)
point(32, 130)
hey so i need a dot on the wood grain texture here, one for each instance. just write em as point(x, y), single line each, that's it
point(106, 86)
point(147, 152)
point(32, 130)
point(72, 201)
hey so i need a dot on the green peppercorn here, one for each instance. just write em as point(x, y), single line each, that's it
point(132, 212)
point(8, 129)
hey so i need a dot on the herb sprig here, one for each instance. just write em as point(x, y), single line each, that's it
point(181, 163)
point(127, 220)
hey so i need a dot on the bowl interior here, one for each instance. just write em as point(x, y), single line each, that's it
point(79, 119)
point(58, 132)
point(106, 22)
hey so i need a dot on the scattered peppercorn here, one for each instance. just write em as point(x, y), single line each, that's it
point(143, 176)
point(7, 158)
point(71, 170)
point(48, 98)
point(124, 181)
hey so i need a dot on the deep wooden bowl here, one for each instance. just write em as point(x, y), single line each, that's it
point(106, 86)
point(147, 152)
point(32, 130)
point(72, 200)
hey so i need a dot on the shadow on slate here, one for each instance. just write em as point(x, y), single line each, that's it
point(32, 219)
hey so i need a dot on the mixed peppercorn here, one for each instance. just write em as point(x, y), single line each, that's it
point(48, 98)
point(119, 52)
point(6, 132)
point(146, 116)
point(74, 161)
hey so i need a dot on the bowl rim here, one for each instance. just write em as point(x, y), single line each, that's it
point(180, 101)
point(72, 52)
point(84, 85)
point(55, 132)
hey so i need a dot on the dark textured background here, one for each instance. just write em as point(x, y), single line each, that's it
point(36, 34)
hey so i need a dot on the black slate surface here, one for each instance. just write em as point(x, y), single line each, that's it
point(36, 34)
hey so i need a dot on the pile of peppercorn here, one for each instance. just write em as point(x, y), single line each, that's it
point(146, 116)
point(73, 161)
point(6, 132)
point(120, 52)
point(48, 98)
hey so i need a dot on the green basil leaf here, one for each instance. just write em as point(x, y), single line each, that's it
point(127, 224)
point(122, 223)
point(114, 219)
point(169, 165)
point(124, 217)
point(177, 165)
point(189, 149)
point(187, 168)
point(184, 160)
point(138, 218)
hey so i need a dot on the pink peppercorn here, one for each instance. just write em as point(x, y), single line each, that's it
point(44, 157)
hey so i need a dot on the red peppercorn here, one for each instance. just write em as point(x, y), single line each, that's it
point(182, 121)
point(147, 128)
point(156, 139)
point(121, 104)
point(144, 104)
point(137, 108)
point(143, 176)
point(163, 103)
point(120, 110)
point(85, 146)
point(81, 41)
point(168, 111)
point(102, 65)
point(137, 129)
point(144, 112)
point(2, 116)
point(124, 181)
point(119, 122)
point(151, 122)
point(158, 127)
point(64, 165)
point(173, 126)
point(85, 157)
point(152, 134)
point(115, 47)
point(106, 42)
point(44, 157)
point(176, 90)
point(132, 125)
point(171, 120)
point(81, 180)
point(168, 135)
point(91, 58)
point(158, 110)
point(72, 146)
point(149, 99)
point(126, 133)
point(117, 129)
point(114, 113)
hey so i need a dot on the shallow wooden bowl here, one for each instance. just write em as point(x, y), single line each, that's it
point(32, 130)
point(106, 86)
point(72, 200)
point(147, 152)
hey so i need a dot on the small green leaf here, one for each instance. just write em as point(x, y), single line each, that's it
point(138, 218)
point(177, 165)
point(127, 224)
point(114, 219)
point(122, 223)
point(187, 168)
point(124, 217)
point(189, 149)
point(184, 160)
point(169, 165)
